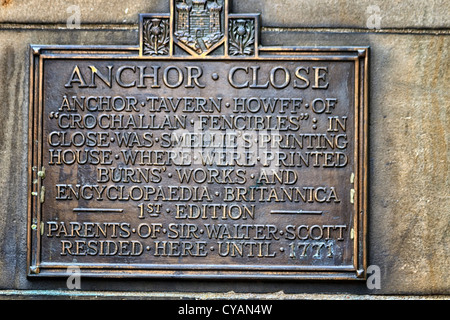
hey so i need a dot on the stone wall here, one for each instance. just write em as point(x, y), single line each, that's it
point(409, 203)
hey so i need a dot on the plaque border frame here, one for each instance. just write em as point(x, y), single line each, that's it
point(36, 171)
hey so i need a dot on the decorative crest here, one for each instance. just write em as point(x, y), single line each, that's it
point(199, 28)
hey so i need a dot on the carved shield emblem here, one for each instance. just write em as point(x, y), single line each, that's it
point(199, 25)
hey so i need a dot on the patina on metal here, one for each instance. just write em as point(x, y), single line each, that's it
point(198, 153)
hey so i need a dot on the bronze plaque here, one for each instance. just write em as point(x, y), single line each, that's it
point(198, 153)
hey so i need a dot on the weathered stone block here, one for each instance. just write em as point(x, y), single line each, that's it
point(409, 211)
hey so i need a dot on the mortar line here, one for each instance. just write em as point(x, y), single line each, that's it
point(280, 295)
point(134, 26)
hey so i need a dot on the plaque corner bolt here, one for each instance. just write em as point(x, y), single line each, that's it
point(360, 273)
point(36, 50)
point(34, 270)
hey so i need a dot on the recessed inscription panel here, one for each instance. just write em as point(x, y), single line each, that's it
point(198, 167)
point(224, 164)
